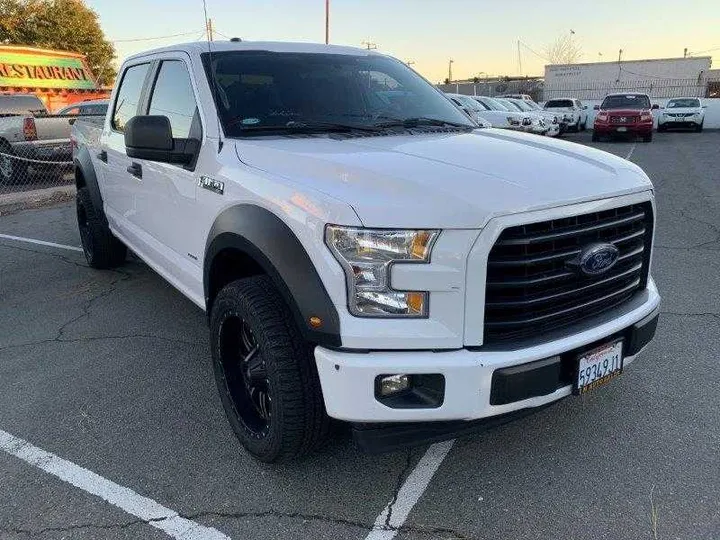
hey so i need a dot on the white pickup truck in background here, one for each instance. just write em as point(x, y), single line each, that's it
point(29, 136)
point(362, 250)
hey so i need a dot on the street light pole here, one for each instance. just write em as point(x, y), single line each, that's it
point(450, 63)
point(327, 22)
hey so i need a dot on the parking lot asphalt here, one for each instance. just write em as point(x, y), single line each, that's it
point(110, 370)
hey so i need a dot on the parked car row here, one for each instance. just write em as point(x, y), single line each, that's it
point(508, 113)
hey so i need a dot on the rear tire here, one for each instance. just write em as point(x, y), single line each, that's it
point(13, 171)
point(102, 250)
point(265, 372)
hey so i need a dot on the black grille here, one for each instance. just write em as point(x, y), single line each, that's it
point(532, 289)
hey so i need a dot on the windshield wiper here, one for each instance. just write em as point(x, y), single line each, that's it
point(419, 121)
point(297, 126)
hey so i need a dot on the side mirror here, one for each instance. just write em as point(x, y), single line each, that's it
point(596, 108)
point(655, 106)
point(704, 106)
point(150, 137)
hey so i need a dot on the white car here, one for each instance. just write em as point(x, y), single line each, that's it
point(574, 112)
point(538, 124)
point(501, 117)
point(470, 107)
point(682, 112)
point(551, 119)
point(383, 263)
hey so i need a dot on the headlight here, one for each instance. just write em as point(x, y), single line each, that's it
point(513, 121)
point(367, 256)
point(526, 121)
point(568, 117)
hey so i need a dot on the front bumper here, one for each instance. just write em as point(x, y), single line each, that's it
point(686, 122)
point(623, 129)
point(471, 390)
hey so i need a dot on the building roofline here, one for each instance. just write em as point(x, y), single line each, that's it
point(615, 62)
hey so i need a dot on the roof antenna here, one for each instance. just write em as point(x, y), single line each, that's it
point(213, 80)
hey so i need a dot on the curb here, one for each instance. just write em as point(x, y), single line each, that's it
point(11, 203)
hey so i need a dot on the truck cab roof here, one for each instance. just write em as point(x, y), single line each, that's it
point(200, 47)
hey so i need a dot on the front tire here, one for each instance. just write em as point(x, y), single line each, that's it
point(647, 138)
point(265, 372)
point(595, 137)
point(700, 127)
point(102, 250)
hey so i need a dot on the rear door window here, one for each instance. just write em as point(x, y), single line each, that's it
point(128, 95)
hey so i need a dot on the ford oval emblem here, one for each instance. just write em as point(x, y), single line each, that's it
point(597, 259)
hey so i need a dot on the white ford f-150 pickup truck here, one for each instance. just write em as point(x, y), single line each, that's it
point(361, 250)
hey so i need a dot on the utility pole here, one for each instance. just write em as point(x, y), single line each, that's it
point(209, 28)
point(519, 58)
point(450, 63)
point(685, 53)
point(619, 64)
point(369, 45)
point(327, 22)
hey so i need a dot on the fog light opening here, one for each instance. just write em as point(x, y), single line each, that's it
point(391, 385)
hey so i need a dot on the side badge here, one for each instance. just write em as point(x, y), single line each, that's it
point(216, 186)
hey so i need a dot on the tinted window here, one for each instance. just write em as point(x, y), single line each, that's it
point(629, 101)
point(21, 105)
point(128, 96)
point(98, 108)
point(558, 103)
point(260, 91)
point(173, 97)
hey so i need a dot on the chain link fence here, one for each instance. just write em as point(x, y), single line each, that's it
point(21, 172)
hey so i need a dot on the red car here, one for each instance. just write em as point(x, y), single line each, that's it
point(624, 114)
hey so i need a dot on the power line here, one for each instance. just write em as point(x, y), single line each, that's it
point(702, 52)
point(153, 38)
point(529, 48)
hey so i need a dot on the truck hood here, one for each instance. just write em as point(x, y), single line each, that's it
point(445, 180)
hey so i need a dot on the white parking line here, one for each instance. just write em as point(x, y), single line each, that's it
point(141, 507)
point(39, 242)
point(630, 153)
point(410, 492)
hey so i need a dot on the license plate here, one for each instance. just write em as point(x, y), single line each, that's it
point(622, 129)
point(599, 366)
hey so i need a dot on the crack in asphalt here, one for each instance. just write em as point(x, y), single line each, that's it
point(431, 531)
point(32, 533)
point(398, 485)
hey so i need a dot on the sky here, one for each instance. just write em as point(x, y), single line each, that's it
point(480, 36)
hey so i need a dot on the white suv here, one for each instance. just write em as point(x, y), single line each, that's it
point(361, 249)
point(682, 112)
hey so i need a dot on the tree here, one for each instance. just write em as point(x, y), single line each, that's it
point(67, 25)
point(564, 50)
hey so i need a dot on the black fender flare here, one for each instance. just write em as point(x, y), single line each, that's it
point(84, 164)
point(263, 236)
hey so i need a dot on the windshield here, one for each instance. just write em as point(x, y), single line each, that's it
point(509, 105)
point(674, 103)
point(271, 91)
point(559, 104)
point(533, 106)
point(521, 104)
point(493, 104)
point(470, 103)
point(629, 101)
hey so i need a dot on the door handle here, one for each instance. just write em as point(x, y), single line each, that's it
point(102, 156)
point(135, 169)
